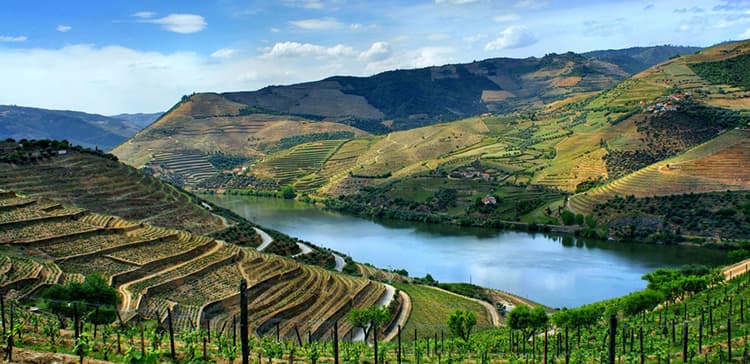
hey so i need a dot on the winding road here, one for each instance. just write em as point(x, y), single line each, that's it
point(384, 301)
point(306, 249)
point(266, 239)
point(339, 262)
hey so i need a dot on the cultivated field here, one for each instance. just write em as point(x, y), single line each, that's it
point(108, 187)
point(717, 165)
point(44, 243)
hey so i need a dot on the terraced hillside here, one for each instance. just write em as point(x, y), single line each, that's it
point(300, 160)
point(44, 243)
point(717, 165)
point(106, 186)
point(187, 169)
point(209, 123)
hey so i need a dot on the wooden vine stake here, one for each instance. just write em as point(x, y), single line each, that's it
point(243, 323)
point(171, 332)
point(612, 337)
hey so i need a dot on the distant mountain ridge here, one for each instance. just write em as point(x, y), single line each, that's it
point(141, 120)
point(405, 99)
point(89, 130)
point(637, 59)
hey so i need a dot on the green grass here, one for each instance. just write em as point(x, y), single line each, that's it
point(431, 308)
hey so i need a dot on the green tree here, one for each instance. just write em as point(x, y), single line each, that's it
point(640, 301)
point(460, 323)
point(527, 320)
point(568, 217)
point(93, 298)
point(287, 192)
point(367, 318)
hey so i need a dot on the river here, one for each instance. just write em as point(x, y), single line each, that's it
point(556, 270)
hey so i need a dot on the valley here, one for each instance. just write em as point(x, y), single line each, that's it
point(387, 207)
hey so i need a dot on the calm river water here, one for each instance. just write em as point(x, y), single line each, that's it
point(559, 271)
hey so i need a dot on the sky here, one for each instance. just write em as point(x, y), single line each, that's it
point(113, 57)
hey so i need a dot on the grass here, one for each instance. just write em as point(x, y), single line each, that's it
point(431, 308)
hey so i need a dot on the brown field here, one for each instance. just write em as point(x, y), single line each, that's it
point(491, 95)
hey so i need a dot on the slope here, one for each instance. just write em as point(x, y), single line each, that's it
point(717, 165)
point(405, 99)
point(44, 243)
point(79, 128)
point(203, 125)
point(92, 181)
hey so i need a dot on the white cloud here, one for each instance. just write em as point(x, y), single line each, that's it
point(746, 34)
point(431, 56)
point(296, 50)
point(530, 4)
point(144, 14)
point(93, 79)
point(417, 58)
point(506, 18)
point(307, 4)
point(457, 2)
point(378, 51)
point(224, 53)
point(180, 23)
point(317, 24)
point(13, 39)
point(63, 28)
point(512, 37)
point(355, 26)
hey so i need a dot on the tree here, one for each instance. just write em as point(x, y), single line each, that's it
point(367, 318)
point(460, 323)
point(92, 298)
point(568, 217)
point(527, 320)
point(287, 192)
point(640, 301)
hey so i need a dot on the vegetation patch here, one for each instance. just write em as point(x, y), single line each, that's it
point(733, 71)
point(717, 215)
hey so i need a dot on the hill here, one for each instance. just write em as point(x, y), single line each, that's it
point(637, 59)
point(244, 126)
point(92, 181)
point(405, 99)
point(615, 142)
point(141, 120)
point(155, 268)
point(206, 134)
point(89, 130)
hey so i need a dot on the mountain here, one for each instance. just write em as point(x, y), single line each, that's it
point(405, 99)
point(251, 125)
point(89, 130)
point(141, 120)
point(637, 59)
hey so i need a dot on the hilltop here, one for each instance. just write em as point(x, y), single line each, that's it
point(89, 130)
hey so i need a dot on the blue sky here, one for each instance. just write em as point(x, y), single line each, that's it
point(141, 56)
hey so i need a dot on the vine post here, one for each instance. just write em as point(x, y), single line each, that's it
point(612, 338)
point(243, 322)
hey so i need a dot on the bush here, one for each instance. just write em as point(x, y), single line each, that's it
point(568, 217)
